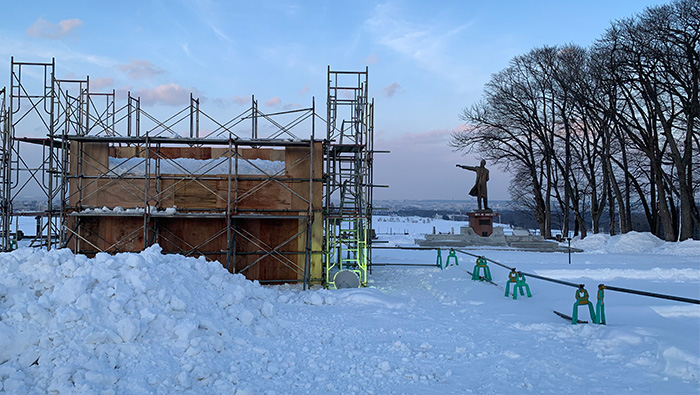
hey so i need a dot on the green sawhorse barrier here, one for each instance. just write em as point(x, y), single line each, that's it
point(518, 279)
point(512, 279)
point(450, 256)
point(481, 263)
point(600, 306)
point(582, 299)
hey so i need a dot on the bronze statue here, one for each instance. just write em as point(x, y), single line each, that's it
point(479, 189)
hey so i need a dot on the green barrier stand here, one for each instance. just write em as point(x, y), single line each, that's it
point(481, 263)
point(582, 299)
point(519, 285)
point(600, 306)
point(451, 255)
point(438, 263)
point(512, 279)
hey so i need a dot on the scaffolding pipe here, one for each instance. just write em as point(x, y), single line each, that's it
point(72, 181)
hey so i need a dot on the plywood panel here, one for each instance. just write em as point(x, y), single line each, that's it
point(193, 235)
point(187, 234)
point(113, 192)
point(88, 159)
point(182, 152)
point(256, 153)
point(198, 195)
point(266, 234)
point(109, 234)
point(298, 161)
point(271, 196)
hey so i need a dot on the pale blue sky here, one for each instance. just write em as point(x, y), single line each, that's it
point(427, 60)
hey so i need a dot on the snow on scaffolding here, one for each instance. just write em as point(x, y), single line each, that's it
point(137, 166)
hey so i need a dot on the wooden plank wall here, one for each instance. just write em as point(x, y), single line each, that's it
point(198, 235)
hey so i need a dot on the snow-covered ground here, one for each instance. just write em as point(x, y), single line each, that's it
point(153, 323)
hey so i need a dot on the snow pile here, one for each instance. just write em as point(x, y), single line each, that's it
point(686, 247)
point(137, 166)
point(135, 210)
point(634, 242)
point(115, 210)
point(133, 322)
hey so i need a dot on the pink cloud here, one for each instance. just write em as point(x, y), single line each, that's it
point(304, 90)
point(240, 100)
point(372, 59)
point(99, 83)
point(273, 102)
point(141, 69)
point(291, 106)
point(392, 89)
point(418, 140)
point(45, 29)
point(169, 95)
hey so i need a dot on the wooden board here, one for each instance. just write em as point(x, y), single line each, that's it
point(204, 236)
point(259, 235)
point(568, 317)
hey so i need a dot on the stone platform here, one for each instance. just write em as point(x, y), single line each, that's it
point(466, 237)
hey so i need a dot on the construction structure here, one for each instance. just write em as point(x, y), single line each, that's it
point(259, 193)
point(349, 179)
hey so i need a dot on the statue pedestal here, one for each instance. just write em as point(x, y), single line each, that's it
point(481, 221)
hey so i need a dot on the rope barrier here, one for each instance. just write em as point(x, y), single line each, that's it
point(404, 264)
point(570, 284)
point(652, 294)
point(562, 282)
point(600, 316)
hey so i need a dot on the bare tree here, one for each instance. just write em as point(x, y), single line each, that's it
point(655, 60)
point(617, 126)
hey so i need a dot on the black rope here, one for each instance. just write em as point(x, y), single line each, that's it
point(551, 280)
point(405, 264)
point(490, 260)
point(570, 284)
point(652, 294)
point(407, 248)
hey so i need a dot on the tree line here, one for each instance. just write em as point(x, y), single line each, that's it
point(611, 129)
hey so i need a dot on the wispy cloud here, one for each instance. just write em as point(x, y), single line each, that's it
point(303, 90)
point(392, 89)
point(45, 29)
point(292, 106)
point(292, 9)
point(428, 45)
point(169, 95)
point(273, 102)
point(211, 14)
point(417, 140)
point(220, 33)
point(141, 69)
point(99, 83)
point(372, 59)
point(293, 56)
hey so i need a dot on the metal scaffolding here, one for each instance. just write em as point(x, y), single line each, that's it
point(79, 151)
point(349, 179)
point(5, 213)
